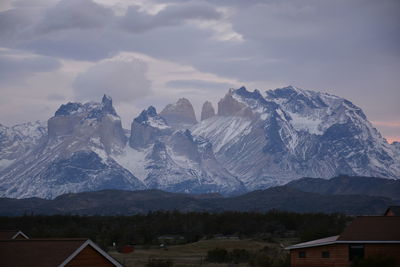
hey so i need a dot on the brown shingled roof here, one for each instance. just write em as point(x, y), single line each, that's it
point(372, 228)
point(7, 234)
point(10, 234)
point(37, 252)
point(394, 209)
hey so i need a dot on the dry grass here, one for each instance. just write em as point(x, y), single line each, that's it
point(190, 254)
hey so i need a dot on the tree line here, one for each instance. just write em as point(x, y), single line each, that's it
point(145, 229)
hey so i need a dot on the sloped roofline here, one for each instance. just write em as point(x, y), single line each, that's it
point(95, 247)
point(19, 233)
point(303, 245)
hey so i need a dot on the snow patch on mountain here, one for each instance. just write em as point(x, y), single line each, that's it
point(221, 130)
point(302, 123)
point(135, 161)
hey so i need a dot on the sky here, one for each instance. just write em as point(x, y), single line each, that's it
point(152, 52)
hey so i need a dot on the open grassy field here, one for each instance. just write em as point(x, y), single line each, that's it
point(192, 254)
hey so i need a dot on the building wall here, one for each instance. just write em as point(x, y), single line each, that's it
point(339, 255)
point(389, 250)
point(89, 257)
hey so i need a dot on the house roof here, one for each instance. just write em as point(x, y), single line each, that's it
point(314, 243)
point(365, 229)
point(11, 234)
point(47, 252)
point(372, 228)
point(394, 209)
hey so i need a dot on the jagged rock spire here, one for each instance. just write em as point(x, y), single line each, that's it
point(207, 110)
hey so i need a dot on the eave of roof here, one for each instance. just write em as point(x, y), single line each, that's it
point(305, 245)
point(314, 243)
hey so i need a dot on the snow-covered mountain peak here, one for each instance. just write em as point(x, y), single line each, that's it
point(243, 103)
point(150, 117)
point(69, 109)
point(265, 139)
point(147, 128)
point(89, 110)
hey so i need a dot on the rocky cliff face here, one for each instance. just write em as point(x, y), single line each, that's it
point(179, 115)
point(207, 111)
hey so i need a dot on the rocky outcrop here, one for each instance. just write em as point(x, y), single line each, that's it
point(207, 111)
point(147, 128)
point(89, 120)
point(180, 114)
point(229, 106)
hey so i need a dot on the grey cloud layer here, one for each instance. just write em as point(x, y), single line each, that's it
point(137, 21)
point(15, 69)
point(123, 80)
point(198, 84)
point(347, 47)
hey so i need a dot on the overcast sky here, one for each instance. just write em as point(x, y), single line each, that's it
point(151, 52)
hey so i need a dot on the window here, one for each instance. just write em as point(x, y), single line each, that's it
point(356, 251)
point(302, 254)
point(325, 254)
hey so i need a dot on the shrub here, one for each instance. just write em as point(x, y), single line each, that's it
point(159, 263)
point(261, 259)
point(239, 255)
point(218, 255)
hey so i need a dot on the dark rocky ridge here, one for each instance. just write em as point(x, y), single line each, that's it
point(113, 202)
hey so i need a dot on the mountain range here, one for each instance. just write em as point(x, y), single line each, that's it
point(354, 201)
point(253, 141)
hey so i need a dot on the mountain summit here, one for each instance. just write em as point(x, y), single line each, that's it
point(254, 141)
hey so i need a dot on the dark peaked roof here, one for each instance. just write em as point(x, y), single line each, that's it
point(44, 252)
point(372, 228)
point(394, 209)
point(11, 234)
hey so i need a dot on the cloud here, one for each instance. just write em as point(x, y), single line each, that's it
point(79, 14)
point(138, 21)
point(125, 80)
point(55, 97)
point(16, 69)
point(348, 48)
point(198, 84)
